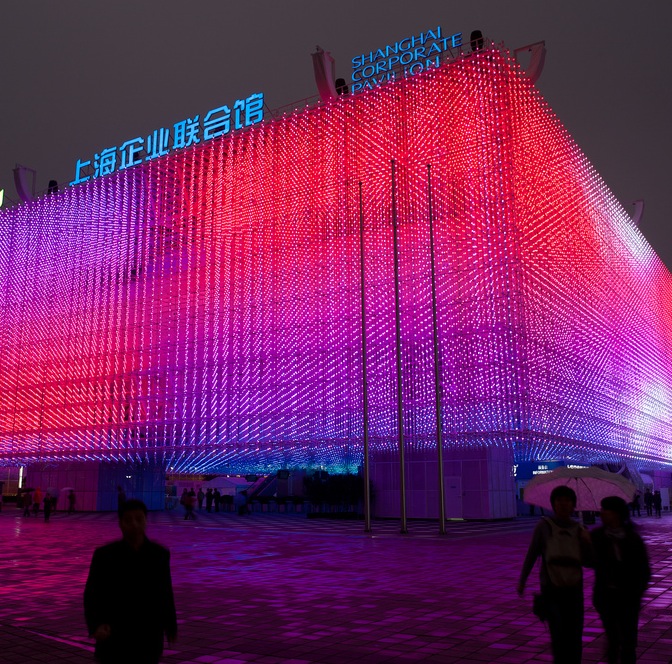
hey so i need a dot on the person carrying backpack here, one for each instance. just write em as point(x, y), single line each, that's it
point(564, 548)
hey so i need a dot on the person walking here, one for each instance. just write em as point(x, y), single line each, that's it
point(648, 502)
point(184, 501)
point(564, 547)
point(208, 500)
point(37, 499)
point(622, 573)
point(72, 499)
point(657, 502)
point(27, 502)
point(128, 597)
point(240, 501)
point(190, 506)
point(48, 504)
point(201, 496)
point(636, 505)
point(216, 499)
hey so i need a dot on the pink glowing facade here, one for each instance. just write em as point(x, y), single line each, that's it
point(203, 310)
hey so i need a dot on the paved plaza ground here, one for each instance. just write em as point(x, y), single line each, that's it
point(272, 588)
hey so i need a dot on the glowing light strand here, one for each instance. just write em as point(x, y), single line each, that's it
point(202, 310)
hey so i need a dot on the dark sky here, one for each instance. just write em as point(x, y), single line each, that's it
point(82, 75)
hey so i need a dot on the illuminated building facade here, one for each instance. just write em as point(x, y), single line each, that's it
point(202, 311)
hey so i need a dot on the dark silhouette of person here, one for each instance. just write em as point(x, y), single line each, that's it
point(128, 598)
point(48, 504)
point(216, 499)
point(208, 500)
point(657, 502)
point(240, 500)
point(201, 497)
point(648, 502)
point(185, 501)
point(27, 502)
point(636, 505)
point(37, 499)
point(184, 498)
point(72, 499)
point(622, 573)
point(121, 499)
point(190, 505)
point(564, 547)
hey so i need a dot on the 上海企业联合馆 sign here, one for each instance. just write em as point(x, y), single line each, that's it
point(186, 133)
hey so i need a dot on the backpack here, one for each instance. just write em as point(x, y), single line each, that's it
point(562, 555)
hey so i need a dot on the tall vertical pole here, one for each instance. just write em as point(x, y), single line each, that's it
point(365, 381)
point(437, 362)
point(397, 321)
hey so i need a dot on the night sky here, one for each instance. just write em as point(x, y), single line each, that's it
point(80, 76)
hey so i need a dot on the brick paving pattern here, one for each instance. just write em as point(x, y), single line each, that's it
point(280, 588)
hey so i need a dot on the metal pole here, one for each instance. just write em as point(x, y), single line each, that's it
point(365, 382)
point(397, 321)
point(437, 364)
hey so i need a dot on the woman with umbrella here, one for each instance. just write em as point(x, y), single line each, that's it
point(622, 573)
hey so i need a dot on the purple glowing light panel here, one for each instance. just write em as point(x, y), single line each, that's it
point(203, 309)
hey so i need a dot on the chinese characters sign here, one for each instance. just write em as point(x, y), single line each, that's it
point(160, 142)
point(403, 58)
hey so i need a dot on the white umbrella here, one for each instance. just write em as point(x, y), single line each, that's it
point(591, 485)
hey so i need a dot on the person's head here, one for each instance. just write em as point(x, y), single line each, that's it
point(133, 521)
point(563, 501)
point(614, 512)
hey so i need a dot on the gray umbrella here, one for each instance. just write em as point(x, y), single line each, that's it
point(591, 485)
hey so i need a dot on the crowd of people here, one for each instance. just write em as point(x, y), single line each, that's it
point(32, 501)
point(618, 555)
point(212, 499)
point(652, 502)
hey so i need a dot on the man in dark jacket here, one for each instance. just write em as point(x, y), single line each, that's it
point(128, 599)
